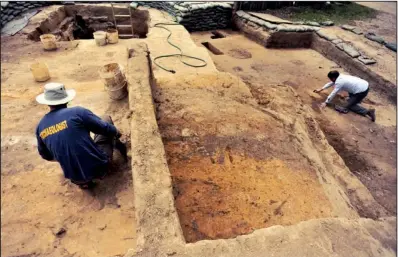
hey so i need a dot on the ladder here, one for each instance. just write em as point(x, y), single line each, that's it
point(124, 36)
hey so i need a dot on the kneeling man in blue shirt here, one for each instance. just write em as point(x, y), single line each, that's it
point(63, 135)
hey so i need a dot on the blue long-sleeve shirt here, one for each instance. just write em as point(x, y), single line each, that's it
point(63, 135)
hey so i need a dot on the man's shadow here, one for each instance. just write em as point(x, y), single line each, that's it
point(119, 177)
point(117, 180)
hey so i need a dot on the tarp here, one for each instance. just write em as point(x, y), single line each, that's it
point(16, 25)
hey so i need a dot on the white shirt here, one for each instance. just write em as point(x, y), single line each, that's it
point(350, 84)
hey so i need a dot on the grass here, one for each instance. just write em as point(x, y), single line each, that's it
point(339, 14)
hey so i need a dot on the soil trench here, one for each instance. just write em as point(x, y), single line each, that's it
point(368, 149)
point(243, 150)
point(74, 22)
point(235, 167)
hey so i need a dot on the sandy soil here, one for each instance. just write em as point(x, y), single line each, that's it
point(236, 195)
point(36, 200)
point(236, 166)
point(358, 141)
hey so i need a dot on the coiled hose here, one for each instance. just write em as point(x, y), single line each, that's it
point(180, 55)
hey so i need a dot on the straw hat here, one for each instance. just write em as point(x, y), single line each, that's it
point(55, 94)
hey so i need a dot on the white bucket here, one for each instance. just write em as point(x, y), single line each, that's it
point(112, 74)
point(112, 36)
point(48, 41)
point(115, 81)
point(100, 38)
point(117, 93)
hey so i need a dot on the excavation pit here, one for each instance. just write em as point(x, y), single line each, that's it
point(225, 194)
point(236, 160)
point(217, 34)
point(242, 158)
point(304, 70)
point(212, 48)
point(74, 22)
point(234, 170)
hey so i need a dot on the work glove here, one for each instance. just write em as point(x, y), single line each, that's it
point(118, 134)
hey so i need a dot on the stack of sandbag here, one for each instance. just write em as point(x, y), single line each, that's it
point(197, 16)
point(10, 10)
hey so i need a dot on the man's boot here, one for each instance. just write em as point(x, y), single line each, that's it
point(340, 109)
point(121, 148)
point(372, 114)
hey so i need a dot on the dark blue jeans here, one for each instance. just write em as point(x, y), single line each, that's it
point(354, 101)
point(105, 144)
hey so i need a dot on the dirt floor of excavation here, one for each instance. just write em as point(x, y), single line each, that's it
point(368, 149)
point(37, 202)
point(228, 194)
point(234, 168)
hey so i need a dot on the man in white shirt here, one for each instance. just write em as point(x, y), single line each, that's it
point(357, 89)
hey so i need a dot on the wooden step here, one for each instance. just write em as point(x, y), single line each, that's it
point(99, 18)
point(126, 36)
point(122, 16)
point(123, 26)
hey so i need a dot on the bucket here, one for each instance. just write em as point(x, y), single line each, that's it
point(112, 36)
point(40, 71)
point(114, 80)
point(112, 75)
point(48, 41)
point(100, 38)
point(118, 93)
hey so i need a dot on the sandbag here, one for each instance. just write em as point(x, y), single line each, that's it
point(325, 35)
point(295, 28)
point(366, 60)
point(312, 23)
point(347, 27)
point(372, 36)
point(348, 49)
point(357, 31)
point(327, 23)
point(197, 16)
point(391, 46)
point(337, 41)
